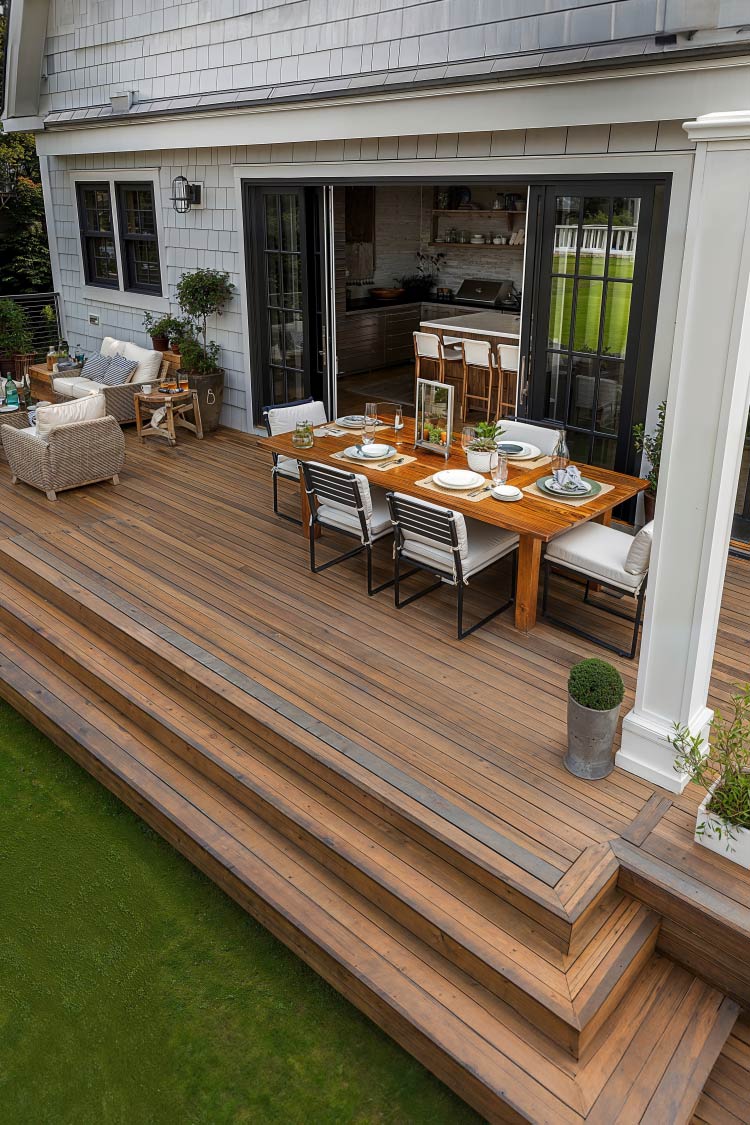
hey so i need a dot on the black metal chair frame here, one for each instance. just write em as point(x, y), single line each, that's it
point(640, 598)
point(446, 534)
point(343, 487)
point(275, 472)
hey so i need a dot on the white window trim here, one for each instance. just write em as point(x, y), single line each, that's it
point(101, 294)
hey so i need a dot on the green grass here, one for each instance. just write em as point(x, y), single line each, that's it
point(590, 297)
point(133, 991)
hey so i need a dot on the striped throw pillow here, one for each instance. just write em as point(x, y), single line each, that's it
point(96, 367)
point(120, 371)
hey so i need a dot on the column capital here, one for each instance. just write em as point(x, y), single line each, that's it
point(731, 126)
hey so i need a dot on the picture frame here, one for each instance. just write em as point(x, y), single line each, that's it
point(433, 420)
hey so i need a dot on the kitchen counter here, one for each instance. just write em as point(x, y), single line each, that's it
point(370, 304)
point(488, 322)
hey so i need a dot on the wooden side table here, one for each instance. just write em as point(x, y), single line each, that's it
point(175, 407)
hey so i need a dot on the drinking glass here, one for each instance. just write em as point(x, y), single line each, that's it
point(371, 412)
point(500, 469)
point(468, 434)
point(368, 431)
point(398, 423)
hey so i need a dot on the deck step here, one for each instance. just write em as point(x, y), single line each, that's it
point(349, 767)
point(726, 1096)
point(650, 1066)
point(568, 997)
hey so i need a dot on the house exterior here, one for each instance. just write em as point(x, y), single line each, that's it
point(264, 101)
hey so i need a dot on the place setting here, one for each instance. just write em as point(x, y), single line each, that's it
point(568, 486)
point(523, 452)
point(473, 486)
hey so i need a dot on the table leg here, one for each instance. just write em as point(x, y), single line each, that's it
point(527, 584)
point(197, 416)
point(304, 510)
point(170, 424)
point(138, 419)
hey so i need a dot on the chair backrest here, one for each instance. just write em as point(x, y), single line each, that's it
point(541, 436)
point(283, 418)
point(337, 488)
point(639, 554)
point(418, 525)
point(476, 353)
point(508, 356)
point(427, 345)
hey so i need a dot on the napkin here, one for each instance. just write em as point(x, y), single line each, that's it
point(569, 480)
point(330, 431)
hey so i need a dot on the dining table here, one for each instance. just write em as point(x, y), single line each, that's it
point(536, 519)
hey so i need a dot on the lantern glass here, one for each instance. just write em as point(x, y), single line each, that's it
point(181, 195)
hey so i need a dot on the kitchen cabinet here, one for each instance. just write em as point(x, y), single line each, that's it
point(374, 338)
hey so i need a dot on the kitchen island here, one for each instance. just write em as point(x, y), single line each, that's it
point(487, 324)
point(495, 327)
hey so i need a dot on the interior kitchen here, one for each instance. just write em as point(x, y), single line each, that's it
point(444, 259)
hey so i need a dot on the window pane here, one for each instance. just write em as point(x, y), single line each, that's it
point(145, 259)
point(103, 259)
point(582, 391)
point(579, 446)
point(561, 303)
point(617, 318)
point(605, 450)
point(138, 206)
point(273, 287)
point(625, 214)
point(272, 222)
point(611, 378)
point(292, 281)
point(567, 233)
point(289, 222)
point(588, 314)
point(295, 385)
point(276, 326)
point(294, 338)
point(556, 386)
point(594, 236)
point(97, 209)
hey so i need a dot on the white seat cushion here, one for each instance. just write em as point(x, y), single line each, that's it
point(639, 555)
point(49, 418)
point(345, 518)
point(287, 467)
point(598, 552)
point(149, 362)
point(479, 544)
point(451, 355)
point(540, 436)
point(77, 388)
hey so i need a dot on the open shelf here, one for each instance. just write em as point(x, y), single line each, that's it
point(478, 245)
point(471, 211)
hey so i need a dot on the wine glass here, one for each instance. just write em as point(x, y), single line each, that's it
point(500, 470)
point(398, 424)
point(468, 434)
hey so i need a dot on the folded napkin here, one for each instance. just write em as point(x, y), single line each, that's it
point(330, 431)
point(569, 480)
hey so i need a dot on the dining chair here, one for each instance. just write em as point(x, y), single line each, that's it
point(508, 360)
point(282, 419)
point(613, 560)
point(541, 436)
point(345, 502)
point(479, 371)
point(449, 546)
point(448, 360)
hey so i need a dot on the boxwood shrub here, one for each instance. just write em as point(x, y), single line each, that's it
point(596, 684)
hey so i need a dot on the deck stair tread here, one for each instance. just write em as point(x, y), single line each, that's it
point(562, 901)
point(650, 1066)
point(569, 996)
point(726, 1097)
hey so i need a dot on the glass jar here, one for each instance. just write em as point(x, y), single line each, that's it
point(303, 437)
point(560, 455)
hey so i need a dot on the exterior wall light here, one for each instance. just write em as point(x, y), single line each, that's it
point(184, 195)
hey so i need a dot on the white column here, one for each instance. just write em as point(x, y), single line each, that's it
point(707, 411)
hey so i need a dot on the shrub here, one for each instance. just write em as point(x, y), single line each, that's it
point(201, 294)
point(15, 337)
point(596, 684)
point(651, 444)
point(724, 762)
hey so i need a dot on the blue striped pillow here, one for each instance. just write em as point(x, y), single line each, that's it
point(120, 370)
point(96, 367)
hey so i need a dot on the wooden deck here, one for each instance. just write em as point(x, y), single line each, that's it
point(385, 798)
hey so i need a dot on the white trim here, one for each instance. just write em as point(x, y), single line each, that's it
point(22, 124)
point(661, 92)
point(720, 127)
point(244, 306)
point(54, 249)
point(121, 296)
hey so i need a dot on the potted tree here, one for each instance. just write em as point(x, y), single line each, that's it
point(721, 767)
point(481, 452)
point(202, 294)
point(15, 336)
point(595, 692)
point(650, 444)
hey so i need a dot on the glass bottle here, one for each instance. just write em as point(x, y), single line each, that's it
point(560, 455)
point(11, 391)
point(51, 357)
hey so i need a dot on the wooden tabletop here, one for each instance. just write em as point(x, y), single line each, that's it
point(534, 516)
point(160, 397)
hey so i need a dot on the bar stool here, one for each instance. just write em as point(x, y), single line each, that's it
point(480, 369)
point(429, 346)
point(508, 360)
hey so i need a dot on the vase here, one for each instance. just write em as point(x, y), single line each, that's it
point(591, 736)
point(481, 462)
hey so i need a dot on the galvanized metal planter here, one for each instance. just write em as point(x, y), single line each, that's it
point(590, 737)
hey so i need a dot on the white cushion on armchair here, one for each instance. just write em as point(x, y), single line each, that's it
point(49, 418)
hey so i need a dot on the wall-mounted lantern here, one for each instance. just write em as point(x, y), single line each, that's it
point(185, 195)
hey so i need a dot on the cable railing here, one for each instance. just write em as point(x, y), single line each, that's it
point(44, 327)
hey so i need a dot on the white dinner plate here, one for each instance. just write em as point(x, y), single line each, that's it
point(549, 484)
point(351, 421)
point(528, 452)
point(507, 493)
point(8, 409)
point(356, 453)
point(458, 478)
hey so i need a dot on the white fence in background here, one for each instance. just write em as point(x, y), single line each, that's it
point(594, 239)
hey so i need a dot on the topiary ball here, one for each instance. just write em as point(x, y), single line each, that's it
point(596, 684)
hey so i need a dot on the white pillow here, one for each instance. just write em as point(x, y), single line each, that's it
point(49, 418)
point(111, 347)
point(148, 362)
point(639, 555)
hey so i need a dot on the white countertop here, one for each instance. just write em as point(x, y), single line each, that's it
point(488, 322)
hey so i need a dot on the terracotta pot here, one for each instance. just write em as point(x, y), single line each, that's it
point(159, 343)
point(649, 505)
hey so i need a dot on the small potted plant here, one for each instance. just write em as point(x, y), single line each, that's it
point(721, 767)
point(15, 337)
point(158, 329)
point(202, 294)
point(482, 451)
point(420, 283)
point(595, 692)
point(650, 444)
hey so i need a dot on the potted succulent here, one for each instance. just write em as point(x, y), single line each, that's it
point(721, 767)
point(651, 444)
point(595, 692)
point(482, 451)
point(15, 336)
point(202, 294)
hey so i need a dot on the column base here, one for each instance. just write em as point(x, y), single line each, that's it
point(645, 749)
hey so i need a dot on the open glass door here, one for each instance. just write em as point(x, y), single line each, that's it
point(287, 287)
point(589, 331)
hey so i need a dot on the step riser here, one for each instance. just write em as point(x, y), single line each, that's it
point(353, 790)
point(391, 1020)
point(548, 1021)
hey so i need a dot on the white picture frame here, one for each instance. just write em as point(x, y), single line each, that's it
point(433, 419)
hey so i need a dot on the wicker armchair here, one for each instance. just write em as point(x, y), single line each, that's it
point(120, 400)
point(77, 454)
point(17, 421)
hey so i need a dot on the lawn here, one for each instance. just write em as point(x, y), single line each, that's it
point(133, 991)
point(591, 293)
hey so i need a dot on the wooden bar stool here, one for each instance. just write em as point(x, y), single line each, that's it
point(444, 363)
point(480, 369)
point(508, 360)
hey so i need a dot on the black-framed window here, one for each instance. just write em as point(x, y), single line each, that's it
point(97, 235)
point(136, 211)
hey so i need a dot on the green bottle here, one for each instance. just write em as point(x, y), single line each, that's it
point(11, 393)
